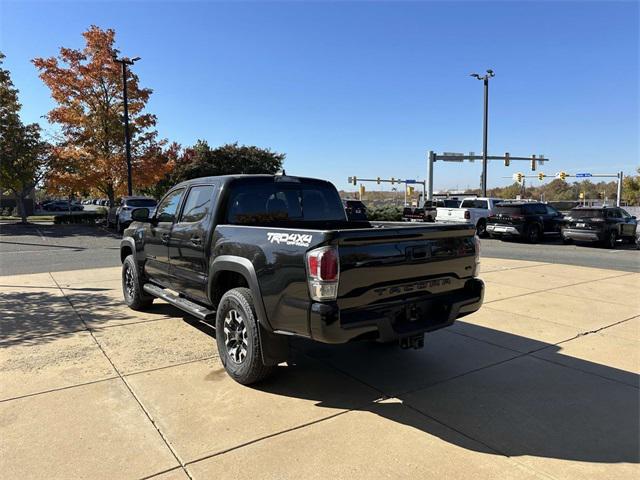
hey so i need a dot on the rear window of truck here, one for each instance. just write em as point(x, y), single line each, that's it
point(599, 213)
point(265, 202)
point(509, 209)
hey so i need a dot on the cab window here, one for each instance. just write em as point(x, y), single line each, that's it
point(198, 204)
point(167, 209)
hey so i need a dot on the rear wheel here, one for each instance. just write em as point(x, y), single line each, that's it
point(611, 239)
point(134, 296)
point(481, 228)
point(238, 338)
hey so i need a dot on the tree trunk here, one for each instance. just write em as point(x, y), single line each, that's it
point(20, 199)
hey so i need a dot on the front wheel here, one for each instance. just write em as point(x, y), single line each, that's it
point(238, 338)
point(533, 234)
point(134, 296)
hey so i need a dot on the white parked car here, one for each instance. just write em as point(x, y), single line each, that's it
point(120, 216)
point(471, 210)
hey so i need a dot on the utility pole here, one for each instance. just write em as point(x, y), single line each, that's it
point(124, 61)
point(485, 80)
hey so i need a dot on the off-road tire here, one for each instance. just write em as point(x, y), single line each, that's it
point(134, 296)
point(251, 368)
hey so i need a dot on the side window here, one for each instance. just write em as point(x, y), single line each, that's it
point(551, 210)
point(540, 209)
point(625, 214)
point(613, 213)
point(198, 204)
point(167, 209)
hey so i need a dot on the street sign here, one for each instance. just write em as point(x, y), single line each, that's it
point(583, 175)
point(412, 180)
point(452, 157)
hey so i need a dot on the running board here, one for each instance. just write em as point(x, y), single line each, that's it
point(198, 311)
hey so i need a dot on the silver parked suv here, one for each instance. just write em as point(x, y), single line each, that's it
point(120, 216)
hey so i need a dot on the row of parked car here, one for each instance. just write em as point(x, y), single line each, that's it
point(526, 220)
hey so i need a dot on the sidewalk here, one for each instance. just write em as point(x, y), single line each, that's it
point(542, 382)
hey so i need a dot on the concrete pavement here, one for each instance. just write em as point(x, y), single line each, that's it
point(542, 382)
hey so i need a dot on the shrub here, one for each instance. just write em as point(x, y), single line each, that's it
point(385, 214)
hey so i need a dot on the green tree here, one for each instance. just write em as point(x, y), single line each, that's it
point(202, 161)
point(24, 156)
point(631, 188)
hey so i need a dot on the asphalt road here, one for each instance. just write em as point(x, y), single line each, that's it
point(54, 248)
point(51, 248)
point(625, 257)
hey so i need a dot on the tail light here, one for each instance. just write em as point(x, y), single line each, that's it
point(467, 215)
point(323, 271)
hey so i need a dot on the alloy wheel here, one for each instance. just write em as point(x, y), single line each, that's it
point(235, 336)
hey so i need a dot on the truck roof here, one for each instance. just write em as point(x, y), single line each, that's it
point(228, 178)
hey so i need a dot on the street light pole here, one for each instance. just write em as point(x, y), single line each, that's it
point(485, 129)
point(127, 139)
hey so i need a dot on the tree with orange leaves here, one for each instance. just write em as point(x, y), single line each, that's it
point(87, 88)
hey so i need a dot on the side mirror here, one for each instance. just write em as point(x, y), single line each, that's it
point(141, 215)
point(634, 217)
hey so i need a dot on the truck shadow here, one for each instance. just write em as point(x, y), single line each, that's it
point(541, 403)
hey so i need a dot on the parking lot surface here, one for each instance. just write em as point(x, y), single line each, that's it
point(51, 248)
point(542, 382)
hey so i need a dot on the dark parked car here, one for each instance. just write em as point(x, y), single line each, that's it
point(356, 210)
point(426, 213)
point(526, 220)
point(266, 258)
point(604, 225)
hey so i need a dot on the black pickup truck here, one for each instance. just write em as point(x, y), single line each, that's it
point(263, 258)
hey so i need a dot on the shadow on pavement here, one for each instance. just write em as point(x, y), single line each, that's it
point(523, 406)
point(33, 315)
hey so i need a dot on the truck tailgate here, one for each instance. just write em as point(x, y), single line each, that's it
point(396, 263)
point(451, 214)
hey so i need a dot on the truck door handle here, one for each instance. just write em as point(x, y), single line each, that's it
point(165, 237)
point(196, 240)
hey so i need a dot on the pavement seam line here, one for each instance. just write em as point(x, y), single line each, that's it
point(554, 288)
point(266, 437)
point(66, 387)
point(532, 352)
point(149, 477)
point(128, 387)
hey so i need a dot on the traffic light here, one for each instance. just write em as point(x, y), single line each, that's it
point(541, 176)
point(506, 159)
point(353, 180)
point(393, 181)
point(362, 190)
point(519, 176)
point(410, 190)
point(563, 176)
point(533, 163)
point(378, 180)
point(581, 195)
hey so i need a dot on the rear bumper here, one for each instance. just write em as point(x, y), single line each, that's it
point(583, 235)
point(397, 319)
point(506, 230)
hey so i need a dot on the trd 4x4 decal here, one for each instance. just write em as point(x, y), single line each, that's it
point(297, 239)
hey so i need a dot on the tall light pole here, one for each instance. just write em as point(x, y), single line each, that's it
point(124, 61)
point(485, 78)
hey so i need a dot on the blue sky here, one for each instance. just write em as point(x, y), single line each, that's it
point(367, 88)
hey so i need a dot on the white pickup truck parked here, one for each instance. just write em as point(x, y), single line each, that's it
point(472, 210)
